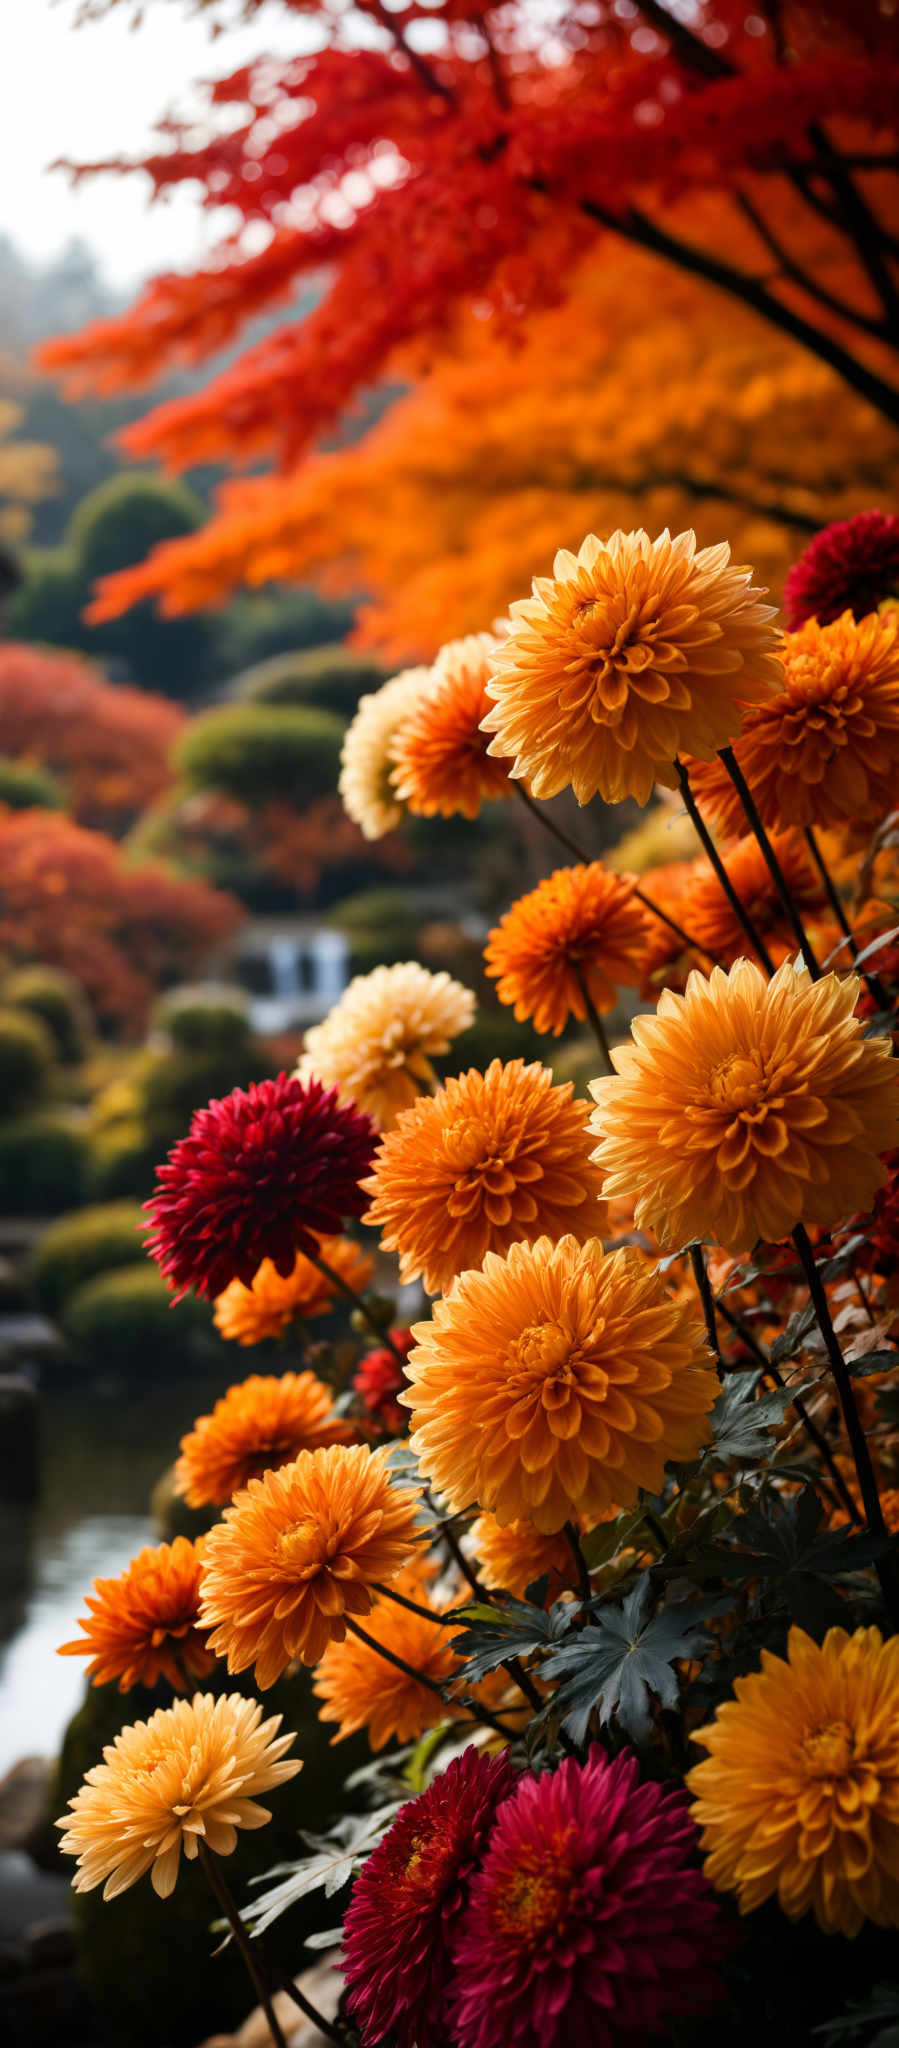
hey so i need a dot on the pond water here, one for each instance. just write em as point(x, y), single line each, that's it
point(102, 1449)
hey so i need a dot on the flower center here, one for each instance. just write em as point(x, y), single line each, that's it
point(830, 1751)
point(538, 1898)
point(307, 1545)
point(550, 1364)
point(740, 1083)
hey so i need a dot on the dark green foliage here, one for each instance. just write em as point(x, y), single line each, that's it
point(614, 1664)
point(198, 1022)
point(151, 1963)
point(59, 1001)
point(126, 1321)
point(258, 753)
point(123, 1161)
point(174, 1084)
point(27, 1057)
point(44, 1163)
point(76, 1248)
point(258, 628)
point(47, 604)
point(332, 677)
point(381, 926)
point(23, 784)
point(511, 1628)
point(122, 519)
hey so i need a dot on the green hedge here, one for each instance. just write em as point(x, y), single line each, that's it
point(174, 1084)
point(23, 784)
point(123, 1161)
point(332, 677)
point(256, 752)
point(76, 1248)
point(126, 1320)
point(59, 1002)
point(44, 1164)
point(206, 1021)
point(27, 1058)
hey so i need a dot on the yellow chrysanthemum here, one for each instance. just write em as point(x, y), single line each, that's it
point(635, 650)
point(249, 1315)
point(264, 1422)
point(360, 1689)
point(555, 1382)
point(367, 783)
point(799, 1794)
point(298, 1551)
point(440, 753)
point(376, 1045)
point(489, 1159)
point(191, 1773)
point(745, 1107)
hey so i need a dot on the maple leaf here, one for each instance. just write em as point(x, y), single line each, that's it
point(625, 1655)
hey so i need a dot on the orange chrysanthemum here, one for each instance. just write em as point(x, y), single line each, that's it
point(708, 914)
point(826, 748)
point(632, 652)
point(555, 1382)
point(249, 1315)
point(377, 1044)
point(255, 1427)
point(667, 961)
point(298, 1551)
point(580, 923)
point(360, 1689)
point(191, 1773)
point(491, 1158)
point(145, 1624)
point(441, 763)
point(747, 1106)
point(515, 1555)
point(799, 1794)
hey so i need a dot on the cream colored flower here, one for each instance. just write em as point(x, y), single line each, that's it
point(367, 775)
point(376, 1045)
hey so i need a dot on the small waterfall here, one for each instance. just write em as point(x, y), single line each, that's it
point(284, 954)
point(330, 962)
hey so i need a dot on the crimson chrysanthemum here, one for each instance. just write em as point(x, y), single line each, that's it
point(716, 926)
point(851, 565)
point(580, 926)
point(264, 1422)
point(264, 1173)
point(745, 1107)
point(441, 763)
point(145, 1624)
point(407, 1900)
point(556, 1382)
point(379, 1378)
point(298, 1552)
point(634, 651)
point(490, 1159)
point(588, 1923)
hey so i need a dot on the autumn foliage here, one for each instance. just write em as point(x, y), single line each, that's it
point(108, 745)
point(70, 899)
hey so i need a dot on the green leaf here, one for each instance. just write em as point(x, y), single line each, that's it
point(513, 1629)
point(614, 1664)
point(333, 1861)
point(872, 1361)
point(743, 1419)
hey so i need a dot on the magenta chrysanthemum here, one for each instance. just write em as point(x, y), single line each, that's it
point(407, 1900)
point(587, 1923)
point(851, 565)
point(261, 1175)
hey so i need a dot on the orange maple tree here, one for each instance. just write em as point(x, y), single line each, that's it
point(477, 176)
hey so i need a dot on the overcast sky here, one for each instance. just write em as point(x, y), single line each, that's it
point(96, 91)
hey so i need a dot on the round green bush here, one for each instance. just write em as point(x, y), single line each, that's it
point(23, 785)
point(257, 752)
point(175, 1084)
point(59, 1001)
point(27, 1057)
point(43, 1164)
point(47, 605)
point(206, 1020)
point(121, 519)
point(76, 1248)
point(333, 677)
point(123, 1161)
point(126, 1320)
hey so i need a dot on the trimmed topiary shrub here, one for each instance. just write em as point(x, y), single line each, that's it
point(123, 1161)
point(257, 752)
point(206, 1019)
point(127, 1320)
point(174, 1084)
point(27, 1057)
point(59, 1001)
point(44, 1162)
point(380, 926)
point(76, 1248)
point(333, 677)
point(24, 785)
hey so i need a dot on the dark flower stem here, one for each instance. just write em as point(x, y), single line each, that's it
point(594, 1018)
point(311, 2011)
point(884, 1567)
point(359, 1302)
point(581, 1566)
point(707, 1298)
point(512, 1665)
point(571, 846)
point(814, 1434)
point(875, 985)
point(729, 759)
point(473, 1707)
point(711, 851)
point(215, 1874)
